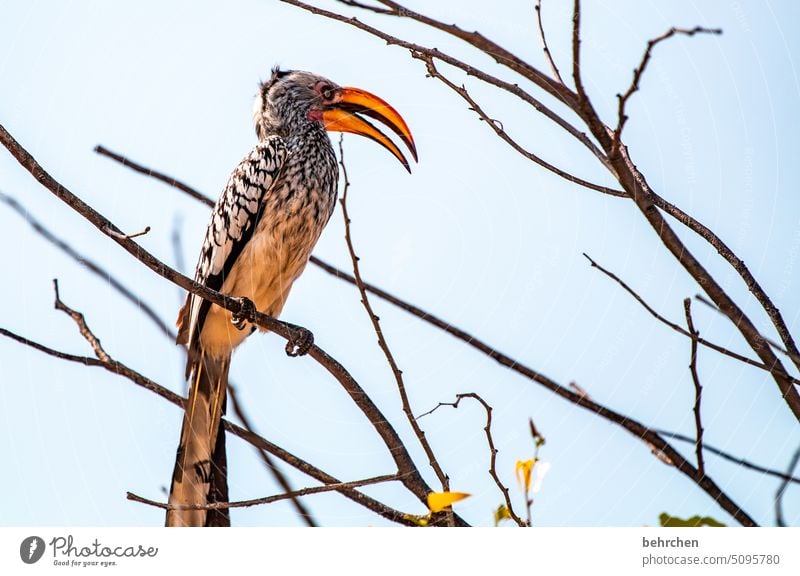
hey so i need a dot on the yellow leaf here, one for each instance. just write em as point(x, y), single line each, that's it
point(523, 471)
point(438, 501)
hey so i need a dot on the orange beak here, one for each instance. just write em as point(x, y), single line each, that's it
point(342, 117)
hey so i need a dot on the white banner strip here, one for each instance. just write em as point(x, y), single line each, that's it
point(355, 551)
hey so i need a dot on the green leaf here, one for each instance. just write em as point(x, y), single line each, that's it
point(420, 521)
point(501, 514)
point(668, 521)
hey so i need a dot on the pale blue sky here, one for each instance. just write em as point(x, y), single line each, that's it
point(477, 235)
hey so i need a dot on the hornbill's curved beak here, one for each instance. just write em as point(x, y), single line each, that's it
point(341, 116)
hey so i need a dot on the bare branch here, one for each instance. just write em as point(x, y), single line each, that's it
point(738, 265)
point(730, 457)
point(276, 472)
point(546, 49)
point(376, 325)
point(779, 520)
point(639, 70)
point(500, 131)
point(698, 389)
point(267, 499)
point(492, 449)
point(576, 52)
point(85, 360)
point(376, 9)
point(90, 265)
point(676, 327)
point(793, 356)
point(358, 497)
point(152, 173)
point(83, 328)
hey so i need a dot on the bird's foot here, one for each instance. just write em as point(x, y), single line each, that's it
point(239, 320)
point(300, 341)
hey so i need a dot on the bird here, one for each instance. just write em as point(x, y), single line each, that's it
point(263, 228)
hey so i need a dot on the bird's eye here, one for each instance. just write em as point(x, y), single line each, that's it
point(327, 91)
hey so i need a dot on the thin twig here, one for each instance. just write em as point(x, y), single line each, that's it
point(90, 265)
point(266, 499)
point(548, 55)
point(103, 151)
point(271, 466)
point(83, 328)
point(85, 360)
point(576, 53)
point(376, 325)
point(779, 520)
point(129, 236)
point(698, 389)
point(500, 131)
point(794, 357)
point(356, 4)
point(674, 326)
point(739, 266)
point(744, 463)
point(578, 389)
point(492, 449)
point(475, 39)
point(639, 70)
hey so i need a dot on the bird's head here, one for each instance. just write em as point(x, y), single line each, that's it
point(291, 101)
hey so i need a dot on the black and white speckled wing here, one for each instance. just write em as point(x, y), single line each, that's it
point(232, 225)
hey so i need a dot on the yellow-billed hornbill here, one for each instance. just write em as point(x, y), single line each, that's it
point(262, 231)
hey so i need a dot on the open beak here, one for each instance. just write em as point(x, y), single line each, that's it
point(342, 117)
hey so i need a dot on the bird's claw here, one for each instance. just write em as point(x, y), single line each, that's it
point(300, 341)
point(239, 320)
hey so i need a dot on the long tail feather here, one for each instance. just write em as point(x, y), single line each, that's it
point(200, 475)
